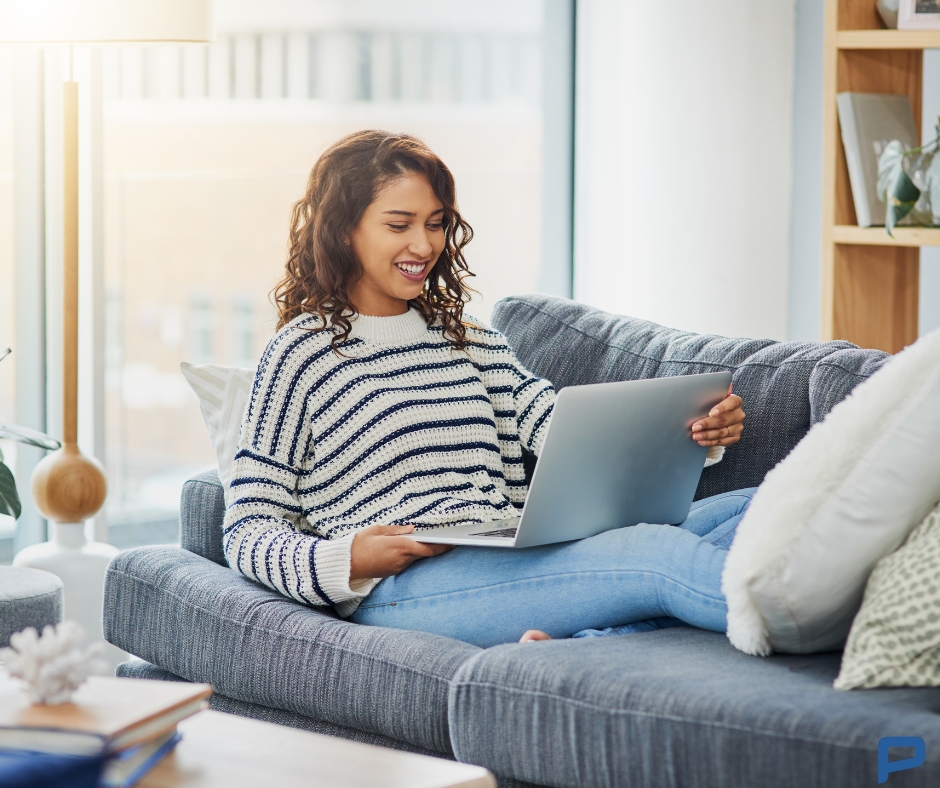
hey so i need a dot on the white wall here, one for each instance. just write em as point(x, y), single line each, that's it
point(683, 162)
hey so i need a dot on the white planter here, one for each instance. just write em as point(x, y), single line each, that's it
point(81, 566)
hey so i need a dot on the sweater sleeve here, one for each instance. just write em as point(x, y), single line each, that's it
point(265, 534)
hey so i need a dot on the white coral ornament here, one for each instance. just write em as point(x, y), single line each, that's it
point(54, 664)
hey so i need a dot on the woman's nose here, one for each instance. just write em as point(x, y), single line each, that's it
point(421, 244)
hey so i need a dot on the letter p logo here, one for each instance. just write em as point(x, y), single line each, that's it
point(885, 766)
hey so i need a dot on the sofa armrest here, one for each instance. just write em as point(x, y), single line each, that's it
point(202, 510)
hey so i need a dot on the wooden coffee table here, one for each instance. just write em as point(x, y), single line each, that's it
point(226, 751)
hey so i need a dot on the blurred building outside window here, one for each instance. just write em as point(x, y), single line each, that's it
point(206, 148)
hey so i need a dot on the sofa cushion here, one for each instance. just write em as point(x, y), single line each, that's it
point(140, 669)
point(205, 622)
point(784, 387)
point(678, 707)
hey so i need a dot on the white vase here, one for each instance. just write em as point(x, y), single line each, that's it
point(81, 566)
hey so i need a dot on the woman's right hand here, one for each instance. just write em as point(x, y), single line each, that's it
point(381, 551)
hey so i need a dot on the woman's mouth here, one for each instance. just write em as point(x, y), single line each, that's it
point(412, 271)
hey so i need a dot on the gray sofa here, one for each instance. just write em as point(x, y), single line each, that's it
point(675, 707)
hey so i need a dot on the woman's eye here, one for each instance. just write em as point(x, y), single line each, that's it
point(399, 227)
point(435, 226)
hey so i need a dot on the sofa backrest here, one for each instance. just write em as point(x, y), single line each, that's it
point(786, 386)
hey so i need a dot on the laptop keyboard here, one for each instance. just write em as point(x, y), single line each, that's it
point(507, 533)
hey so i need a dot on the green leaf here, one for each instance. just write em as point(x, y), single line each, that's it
point(903, 197)
point(9, 500)
point(889, 167)
point(28, 436)
point(933, 184)
point(895, 189)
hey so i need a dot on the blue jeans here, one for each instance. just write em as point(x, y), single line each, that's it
point(488, 595)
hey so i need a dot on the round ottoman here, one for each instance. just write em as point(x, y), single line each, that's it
point(28, 598)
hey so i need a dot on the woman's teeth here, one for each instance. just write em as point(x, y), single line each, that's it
point(411, 268)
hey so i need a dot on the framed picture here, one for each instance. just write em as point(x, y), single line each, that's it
point(919, 15)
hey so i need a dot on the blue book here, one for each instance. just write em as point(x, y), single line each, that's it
point(30, 769)
point(126, 768)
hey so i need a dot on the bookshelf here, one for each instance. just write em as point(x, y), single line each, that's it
point(869, 280)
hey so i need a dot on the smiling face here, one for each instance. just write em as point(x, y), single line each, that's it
point(397, 241)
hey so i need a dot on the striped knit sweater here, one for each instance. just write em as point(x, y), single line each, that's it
point(399, 429)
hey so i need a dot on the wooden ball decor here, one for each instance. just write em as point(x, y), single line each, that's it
point(69, 487)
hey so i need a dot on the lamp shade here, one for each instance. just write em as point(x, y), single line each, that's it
point(105, 21)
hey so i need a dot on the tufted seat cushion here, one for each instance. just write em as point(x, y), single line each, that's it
point(678, 707)
point(205, 622)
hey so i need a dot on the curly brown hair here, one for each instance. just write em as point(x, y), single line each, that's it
point(321, 269)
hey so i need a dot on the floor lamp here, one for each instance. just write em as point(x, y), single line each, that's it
point(68, 487)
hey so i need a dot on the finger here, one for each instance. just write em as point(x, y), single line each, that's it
point(716, 422)
point(731, 402)
point(389, 530)
point(728, 441)
point(721, 420)
point(720, 433)
point(421, 549)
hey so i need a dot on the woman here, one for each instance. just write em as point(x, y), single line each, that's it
point(378, 408)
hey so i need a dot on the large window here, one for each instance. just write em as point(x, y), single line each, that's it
point(206, 149)
point(6, 279)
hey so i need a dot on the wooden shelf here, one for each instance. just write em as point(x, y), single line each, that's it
point(876, 236)
point(888, 39)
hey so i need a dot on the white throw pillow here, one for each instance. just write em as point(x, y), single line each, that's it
point(845, 497)
point(223, 396)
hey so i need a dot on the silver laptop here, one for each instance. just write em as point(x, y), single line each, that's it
point(615, 454)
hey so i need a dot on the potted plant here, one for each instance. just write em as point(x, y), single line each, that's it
point(9, 498)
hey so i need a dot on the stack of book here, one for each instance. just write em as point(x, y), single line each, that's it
point(111, 735)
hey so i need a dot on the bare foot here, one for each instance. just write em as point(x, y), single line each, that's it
point(532, 635)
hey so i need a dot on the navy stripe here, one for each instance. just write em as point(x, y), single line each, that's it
point(292, 389)
point(246, 519)
point(313, 571)
point(384, 414)
point(357, 381)
point(275, 504)
point(539, 422)
point(524, 385)
point(286, 354)
point(264, 459)
point(338, 421)
point(378, 516)
point(422, 426)
point(239, 481)
point(295, 554)
point(528, 408)
point(399, 482)
point(302, 422)
point(382, 354)
point(457, 447)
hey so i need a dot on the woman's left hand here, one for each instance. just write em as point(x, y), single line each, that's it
point(723, 425)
